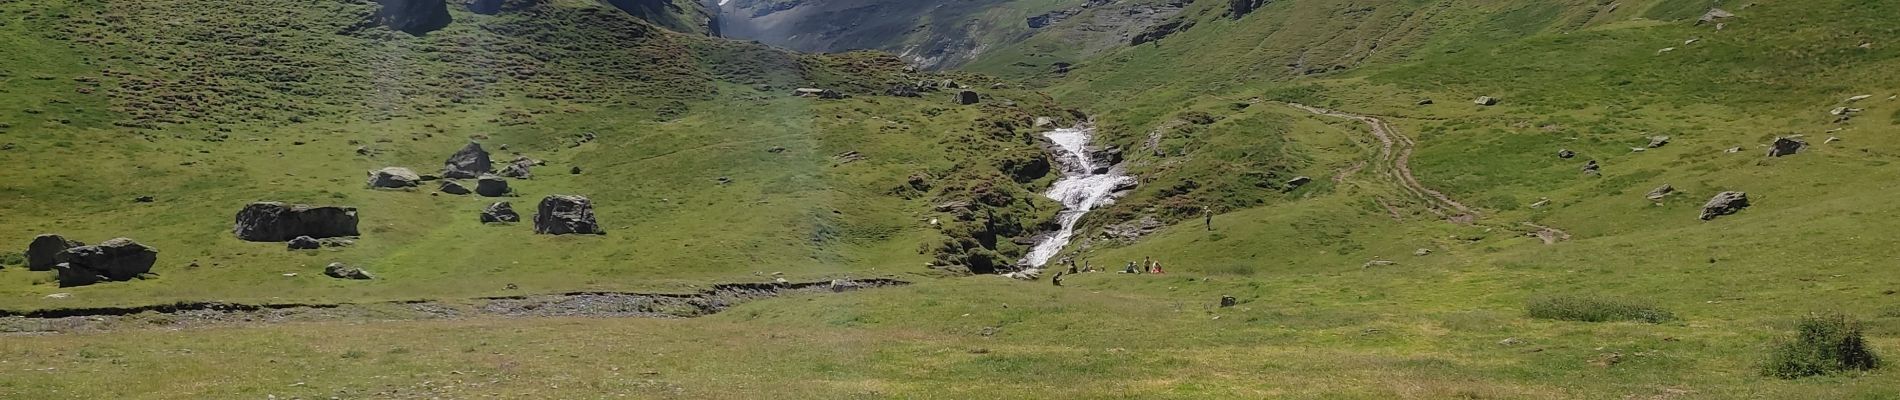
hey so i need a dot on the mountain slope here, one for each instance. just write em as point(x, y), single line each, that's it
point(702, 165)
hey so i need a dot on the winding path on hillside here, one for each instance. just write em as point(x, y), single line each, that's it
point(1395, 157)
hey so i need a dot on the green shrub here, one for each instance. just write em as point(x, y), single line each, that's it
point(11, 258)
point(1596, 309)
point(1825, 344)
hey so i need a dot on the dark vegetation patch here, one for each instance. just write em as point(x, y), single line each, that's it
point(1822, 345)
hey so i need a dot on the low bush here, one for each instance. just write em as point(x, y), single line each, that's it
point(1596, 309)
point(1824, 344)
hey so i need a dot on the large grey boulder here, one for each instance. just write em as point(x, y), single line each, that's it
point(1724, 203)
point(115, 260)
point(468, 163)
point(492, 186)
point(278, 222)
point(566, 214)
point(500, 212)
point(394, 178)
point(41, 253)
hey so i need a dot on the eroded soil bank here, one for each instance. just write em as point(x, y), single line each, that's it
point(577, 304)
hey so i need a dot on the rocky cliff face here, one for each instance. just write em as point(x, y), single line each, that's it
point(935, 34)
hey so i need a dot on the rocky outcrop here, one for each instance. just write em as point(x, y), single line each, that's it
point(1725, 203)
point(115, 260)
point(500, 212)
point(818, 93)
point(279, 222)
point(468, 163)
point(1161, 30)
point(416, 17)
point(40, 255)
point(394, 178)
point(566, 214)
point(492, 186)
point(1240, 8)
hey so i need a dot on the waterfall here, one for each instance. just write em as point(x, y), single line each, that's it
point(1083, 187)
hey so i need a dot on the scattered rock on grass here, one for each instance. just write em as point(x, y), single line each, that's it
point(1725, 203)
point(566, 214)
point(341, 271)
point(304, 243)
point(1228, 301)
point(500, 212)
point(1486, 101)
point(393, 178)
point(468, 163)
point(492, 186)
point(1660, 192)
point(1786, 146)
point(967, 97)
point(278, 222)
point(454, 188)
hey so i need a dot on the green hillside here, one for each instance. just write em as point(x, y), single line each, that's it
point(1436, 249)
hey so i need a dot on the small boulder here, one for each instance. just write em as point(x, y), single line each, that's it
point(1658, 141)
point(468, 163)
point(304, 243)
point(1421, 252)
point(1592, 167)
point(1297, 182)
point(1486, 101)
point(1425, 102)
point(1228, 301)
point(1786, 146)
point(1725, 203)
point(1660, 192)
point(566, 214)
point(455, 188)
point(967, 97)
point(1566, 154)
point(341, 271)
point(278, 222)
point(144, 199)
point(40, 255)
point(115, 260)
point(576, 170)
point(492, 186)
point(394, 178)
point(517, 171)
point(500, 212)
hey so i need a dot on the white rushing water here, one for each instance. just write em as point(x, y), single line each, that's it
point(1080, 190)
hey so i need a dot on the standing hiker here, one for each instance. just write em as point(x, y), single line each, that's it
point(1208, 214)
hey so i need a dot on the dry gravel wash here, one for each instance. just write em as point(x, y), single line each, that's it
point(579, 304)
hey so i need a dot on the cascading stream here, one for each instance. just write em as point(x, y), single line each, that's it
point(1083, 187)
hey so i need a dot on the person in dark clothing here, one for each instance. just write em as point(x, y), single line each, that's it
point(1057, 280)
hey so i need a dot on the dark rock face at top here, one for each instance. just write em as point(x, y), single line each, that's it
point(416, 17)
point(492, 7)
point(566, 214)
point(40, 255)
point(115, 260)
point(1240, 8)
point(468, 163)
point(279, 222)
